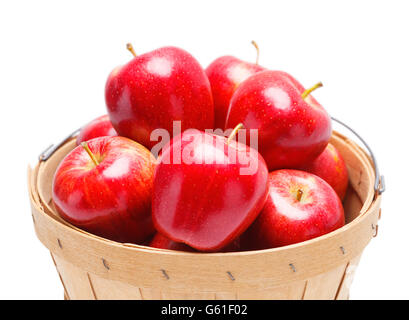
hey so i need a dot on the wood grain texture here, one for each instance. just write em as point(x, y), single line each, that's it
point(345, 285)
point(325, 285)
point(74, 280)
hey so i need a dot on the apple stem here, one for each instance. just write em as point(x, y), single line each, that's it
point(91, 155)
point(234, 132)
point(299, 194)
point(130, 48)
point(257, 49)
point(308, 91)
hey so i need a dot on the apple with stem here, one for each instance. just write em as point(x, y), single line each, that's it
point(207, 189)
point(300, 206)
point(225, 74)
point(293, 128)
point(156, 88)
point(98, 127)
point(331, 167)
point(104, 186)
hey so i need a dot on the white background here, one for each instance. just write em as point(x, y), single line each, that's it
point(55, 58)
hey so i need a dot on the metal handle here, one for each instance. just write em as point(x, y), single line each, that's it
point(52, 148)
point(379, 179)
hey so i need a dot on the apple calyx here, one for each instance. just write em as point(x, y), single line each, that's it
point(84, 144)
point(257, 49)
point(234, 132)
point(131, 49)
point(299, 194)
point(308, 91)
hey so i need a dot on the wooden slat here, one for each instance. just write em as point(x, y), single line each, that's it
point(291, 291)
point(345, 285)
point(325, 285)
point(66, 296)
point(151, 294)
point(187, 295)
point(113, 290)
point(225, 296)
point(74, 280)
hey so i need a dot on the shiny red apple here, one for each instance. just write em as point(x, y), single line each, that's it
point(162, 242)
point(300, 206)
point(331, 167)
point(207, 190)
point(225, 74)
point(155, 89)
point(104, 186)
point(98, 127)
point(233, 246)
point(293, 128)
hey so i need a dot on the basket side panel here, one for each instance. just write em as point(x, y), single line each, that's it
point(325, 286)
point(178, 295)
point(151, 294)
point(225, 296)
point(360, 171)
point(352, 205)
point(292, 291)
point(106, 289)
point(75, 281)
point(343, 292)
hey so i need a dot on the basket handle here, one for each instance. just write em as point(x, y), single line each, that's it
point(379, 179)
point(52, 148)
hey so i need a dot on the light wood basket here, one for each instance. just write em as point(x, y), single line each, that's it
point(91, 267)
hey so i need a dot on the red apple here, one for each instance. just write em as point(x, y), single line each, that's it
point(104, 186)
point(233, 246)
point(162, 242)
point(155, 89)
point(300, 206)
point(98, 127)
point(331, 167)
point(207, 190)
point(293, 128)
point(225, 74)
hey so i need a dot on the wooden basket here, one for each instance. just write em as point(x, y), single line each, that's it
point(91, 267)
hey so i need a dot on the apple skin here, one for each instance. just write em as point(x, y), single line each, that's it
point(291, 131)
point(331, 167)
point(225, 74)
point(207, 203)
point(284, 220)
point(112, 199)
point(155, 89)
point(234, 246)
point(162, 242)
point(98, 127)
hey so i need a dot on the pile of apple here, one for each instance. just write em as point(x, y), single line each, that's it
point(113, 184)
